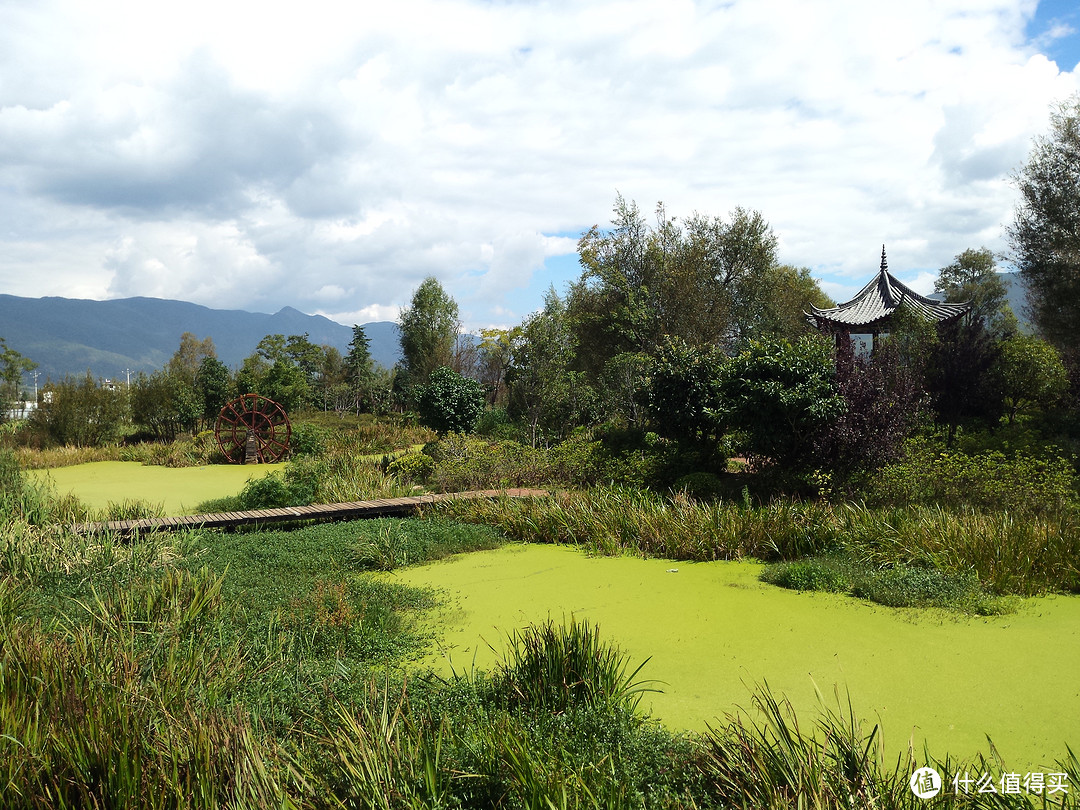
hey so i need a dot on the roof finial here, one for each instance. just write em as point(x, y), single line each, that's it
point(884, 261)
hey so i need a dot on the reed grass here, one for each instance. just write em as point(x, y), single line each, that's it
point(1009, 553)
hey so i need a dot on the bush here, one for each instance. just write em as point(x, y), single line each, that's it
point(416, 467)
point(992, 481)
point(308, 439)
point(449, 402)
point(496, 424)
point(701, 486)
point(780, 395)
point(807, 575)
point(464, 463)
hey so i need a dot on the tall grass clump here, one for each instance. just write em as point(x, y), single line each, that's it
point(554, 667)
point(619, 520)
point(329, 478)
point(130, 708)
point(25, 500)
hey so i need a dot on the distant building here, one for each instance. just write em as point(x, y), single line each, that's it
point(870, 312)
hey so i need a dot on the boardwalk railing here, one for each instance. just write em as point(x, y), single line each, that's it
point(322, 512)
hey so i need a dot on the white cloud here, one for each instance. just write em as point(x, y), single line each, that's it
point(257, 155)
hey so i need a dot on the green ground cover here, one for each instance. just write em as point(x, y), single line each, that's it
point(714, 631)
point(179, 489)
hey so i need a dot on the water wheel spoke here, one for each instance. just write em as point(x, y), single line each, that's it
point(258, 417)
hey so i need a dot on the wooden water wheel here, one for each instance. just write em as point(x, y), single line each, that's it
point(253, 429)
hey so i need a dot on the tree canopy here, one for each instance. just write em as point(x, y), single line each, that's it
point(428, 329)
point(973, 276)
point(1045, 234)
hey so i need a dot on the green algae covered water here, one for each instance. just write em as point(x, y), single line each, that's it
point(714, 631)
point(179, 489)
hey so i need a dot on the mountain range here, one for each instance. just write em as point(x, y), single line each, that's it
point(112, 339)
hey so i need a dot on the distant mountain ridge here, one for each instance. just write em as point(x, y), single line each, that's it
point(112, 338)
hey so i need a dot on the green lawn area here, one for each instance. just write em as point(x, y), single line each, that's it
point(179, 489)
point(714, 631)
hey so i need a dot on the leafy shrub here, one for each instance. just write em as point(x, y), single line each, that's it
point(464, 463)
point(919, 586)
point(780, 394)
point(807, 575)
point(987, 481)
point(896, 585)
point(308, 439)
point(882, 398)
point(449, 402)
point(412, 467)
point(496, 424)
point(702, 486)
point(396, 545)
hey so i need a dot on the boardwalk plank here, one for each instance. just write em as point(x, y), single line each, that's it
point(377, 507)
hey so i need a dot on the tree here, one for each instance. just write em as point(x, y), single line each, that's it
point(961, 376)
point(78, 411)
point(780, 394)
point(12, 367)
point(449, 402)
point(496, 351)
point(214, 386)
point(972, 276)
point(358, 362)
point(705, 280)
point(284, 369)
point(685, 394)
point(545, 392)
point(185, 362)
point(882, 400)
point(775, 305)
point(428, 329)
point(1031, 374)
point(1045, 234)
point(164, 404)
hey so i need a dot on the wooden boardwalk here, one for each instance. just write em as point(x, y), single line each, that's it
point(322, 512)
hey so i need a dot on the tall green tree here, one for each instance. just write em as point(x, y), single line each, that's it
point(973, 276)
point(706, 280)
point(428, 329)
point(962, 378)
point(214, 386)
point(78, 411)
point(1045, 233)
point(164, 404)
point(546, 393)
point(12, 367)
point(1031, 373)
point(358, 361)
point(185, 361)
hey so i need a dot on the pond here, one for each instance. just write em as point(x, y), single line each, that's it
point(179, 489)
point(714, 631)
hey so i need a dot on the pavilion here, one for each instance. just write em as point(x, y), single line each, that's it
point(871, 310)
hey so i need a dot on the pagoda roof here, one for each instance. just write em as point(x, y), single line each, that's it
point(875, 303)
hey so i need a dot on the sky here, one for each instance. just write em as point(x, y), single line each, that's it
point(330, 155)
